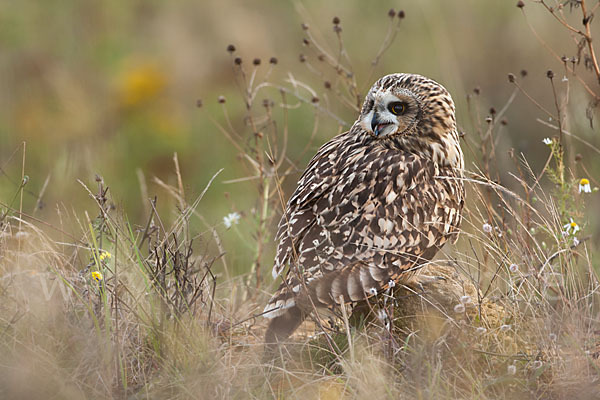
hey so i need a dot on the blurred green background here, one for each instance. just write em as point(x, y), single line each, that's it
point(110, 87)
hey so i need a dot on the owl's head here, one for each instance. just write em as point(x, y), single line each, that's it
point(416, 108)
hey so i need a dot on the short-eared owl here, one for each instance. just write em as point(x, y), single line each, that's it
point(374, 204)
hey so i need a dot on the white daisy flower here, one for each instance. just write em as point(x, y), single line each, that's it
point(584, 186)
point(571, 228)
point(231, 219)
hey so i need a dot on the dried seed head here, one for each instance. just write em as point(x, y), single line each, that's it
point(199, 103)
point(221, 99)
point(459, 308)
point(237, 61)
point(336, 21)
point(305, 42)
point(488, 120)
point(492, 111)
point(321, 57)
point(273, 60)
point(523, 73)
point(231, 48)
point(256, 61)
point(504, 121)
point(477, 90)
point(550, 74)
point(511, 78)
point(578, 157)
point(392, 13)
point(401, 14)
point(266, 103)
point(315, 99)
point(327, 85)
point(302, 58)
point(487, 228)
point(304, 27)
point(520, 4)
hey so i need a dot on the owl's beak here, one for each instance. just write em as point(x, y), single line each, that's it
point(378, 125)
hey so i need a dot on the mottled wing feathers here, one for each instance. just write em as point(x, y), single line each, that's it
point(364, 214)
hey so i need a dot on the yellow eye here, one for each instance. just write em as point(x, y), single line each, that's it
point(397, 108)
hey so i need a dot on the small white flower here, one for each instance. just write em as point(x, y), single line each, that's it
point(565, 79)
point(547, 141)
point(231, 219)
point(373, 291)
point(487, 228)
point(584, 186)
point(459, 308)
point(465, 299)
point(571, 228)
point(481, 330)
point(505, 328)
point(391, 283)
point(537, 364)
point(382, 315)
point(564, 234)
point(513, 268)
point(576, 241)
point(511, 369)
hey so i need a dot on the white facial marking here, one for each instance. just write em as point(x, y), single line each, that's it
point(388, 122)
point(365, 122)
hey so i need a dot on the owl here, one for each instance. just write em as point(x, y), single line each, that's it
point(374, 205)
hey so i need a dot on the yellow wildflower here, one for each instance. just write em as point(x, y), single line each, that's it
point(97, 276)
point(104, 255)
point(141, 83)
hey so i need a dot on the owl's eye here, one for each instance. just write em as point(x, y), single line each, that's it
point(397, 108)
